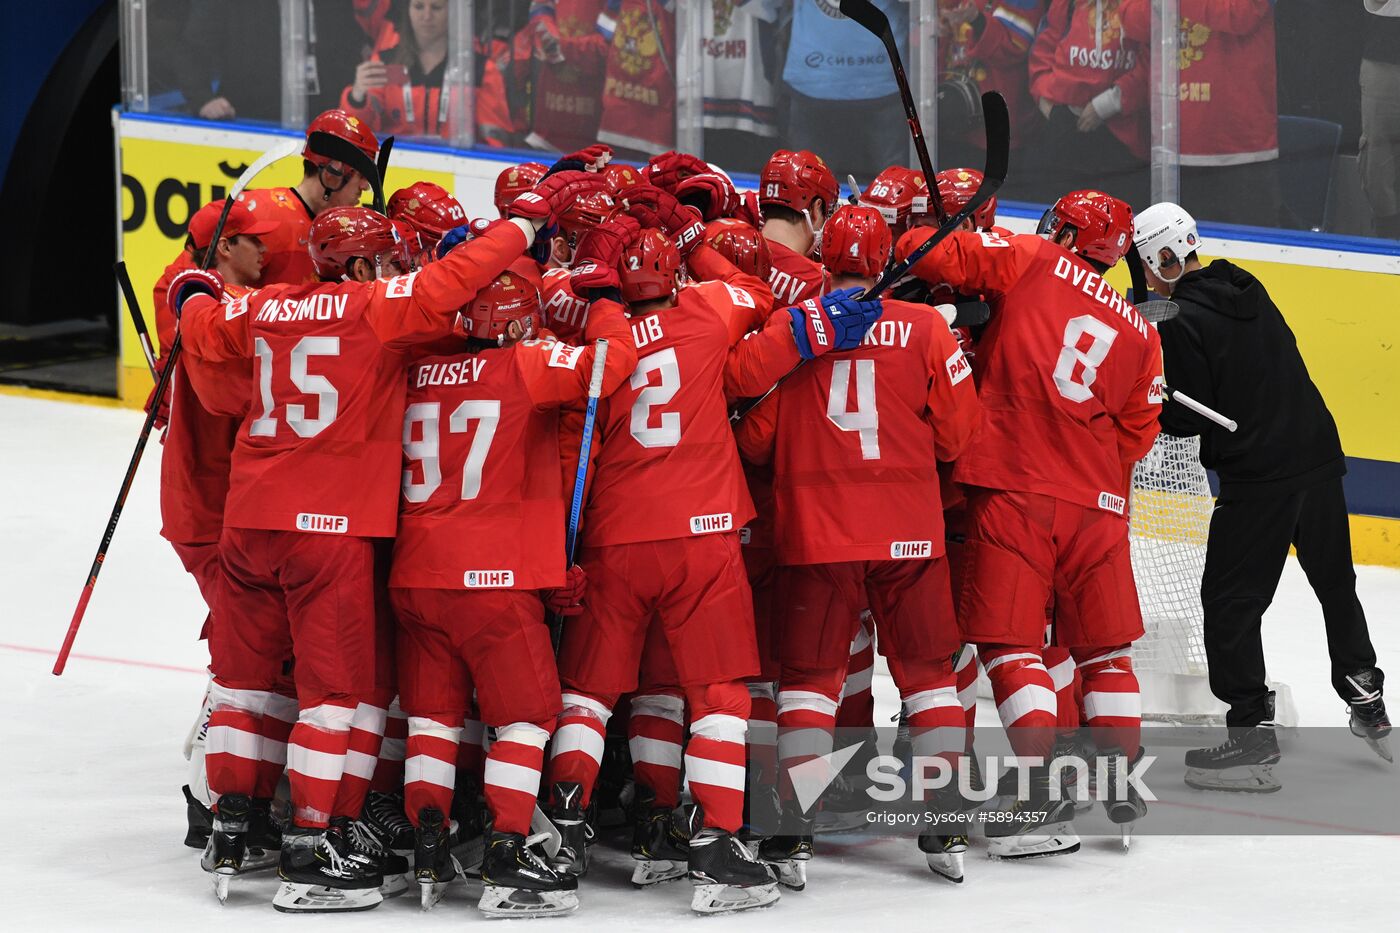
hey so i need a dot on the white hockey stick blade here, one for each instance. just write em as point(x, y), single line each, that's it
point(543, 825)
point(1158, 310)
point(279, 150)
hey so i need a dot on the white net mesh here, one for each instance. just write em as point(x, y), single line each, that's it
point(1170, 518)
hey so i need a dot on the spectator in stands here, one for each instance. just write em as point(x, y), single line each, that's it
point(740, 61)
point(639, 87)
point(1380, 115)
point(842, 98)
point(1090, 84)
point(570, 52)
point(399, 89)
point(1229, 106)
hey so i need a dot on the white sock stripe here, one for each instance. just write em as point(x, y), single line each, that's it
point(523, 733)
point(991, 665)
point(791, 700)
point(669, 708)
point(274, 752)
point(931, 699)
point(280, 708)
point(328, 718)
point(226, 740)
point(393, 749)
point(721, 727)
point(858, 681)
point(804, 743)
point(713, 773)
point(1105, 656)
point(762, 689)
point(428, 770)
point(1062, 674)
point(967, 696)
point(578, 737)
point(395, 710)
point(586, 704)
point(861, 641)
point(512, 776)
point(370, 719)
point(1029, 698)
point(313, 764)
point(965, 656)
point(423, 726)
point(1098, 703)
point(655, 751)
point(249, 701)
point(360, 765)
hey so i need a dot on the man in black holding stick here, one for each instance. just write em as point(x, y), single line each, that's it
point(1280, 485)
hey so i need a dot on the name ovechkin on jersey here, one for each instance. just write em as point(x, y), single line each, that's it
point(1093, 285)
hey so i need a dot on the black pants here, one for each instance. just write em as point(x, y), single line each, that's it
point(874, 134)
point(1248, 545)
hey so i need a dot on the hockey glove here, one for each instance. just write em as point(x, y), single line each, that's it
point(567, 600)
point(553, 194)
point(591, 159)
point(837, 321)
point(712, 194)
point(667, 170)
point(653, 207)
point(599, 251)
point(193, 282)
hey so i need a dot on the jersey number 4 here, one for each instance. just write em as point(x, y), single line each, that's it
point(864, 419)
point(1072, 358)
point(425, 450)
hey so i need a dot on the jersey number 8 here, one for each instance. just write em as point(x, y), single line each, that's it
point(1071, 357)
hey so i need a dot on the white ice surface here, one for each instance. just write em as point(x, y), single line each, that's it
point(91, 761)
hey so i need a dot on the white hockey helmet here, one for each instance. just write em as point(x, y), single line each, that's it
point(1165, 234)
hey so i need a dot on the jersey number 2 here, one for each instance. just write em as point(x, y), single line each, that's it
point(1072, 358)
point(668, 432)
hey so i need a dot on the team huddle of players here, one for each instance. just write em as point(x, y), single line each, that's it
point(373, 439)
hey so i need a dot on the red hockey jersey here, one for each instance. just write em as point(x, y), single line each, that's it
point(568, 93)
point(667, 464)
point(794, 277)
point(854, 436)
point(319, 450)
point(565, 313)
point(1069, 374)
point(288, 259)
point(482, 503)
point(639, 86)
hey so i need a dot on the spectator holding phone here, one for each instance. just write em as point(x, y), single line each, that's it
point(400, 89)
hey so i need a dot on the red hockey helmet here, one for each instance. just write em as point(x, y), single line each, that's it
point(344, 233)
point(649, 268)
point(1103, 223)
point(509, 299)
point(586, 212)
point(856, 241)
point(795, 179)
point(900, 195)
point(620, 177)
point(429, 209)
point(515, 181)
point(956, 186)
point(741, 244)
point(349, 128)
point(412, 241)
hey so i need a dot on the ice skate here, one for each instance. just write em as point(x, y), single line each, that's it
point(199, 821)
point(518, 882)
point(726, 876)
point(945, 855)
point(1124, 805)
point(384, 814)
point(319, 874)
point(433, 865)
point(1036, 827)
point(368, 847)
point(788, 857)
point(1367, 708)
point(567, 815)
point(228, 842)
point(1244, 763)
point(660, 846)
point(264, 837)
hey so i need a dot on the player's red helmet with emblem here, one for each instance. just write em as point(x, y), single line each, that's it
point(856, 241)
point(586, 212)
point(741, 244)
point(620, 177)
point(795, 180)
point(344, 233)
point(509, 299)
point(515, 181)
point(413, 243)
point(345, 126)
point(1103, 223)
point(900, 194)
point(649, 268)
point(429, 208)
point(956, 186)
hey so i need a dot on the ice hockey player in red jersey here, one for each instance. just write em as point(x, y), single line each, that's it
point(325, 184)
point(300, 522)
point(1070, 378)
point(430, 210)
point(877, 416)
point(481, 533)
point(660, 547)
point(515, 181)
point(901, 196)
point(797, 193)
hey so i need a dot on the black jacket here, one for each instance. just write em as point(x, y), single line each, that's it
point(1231, 349)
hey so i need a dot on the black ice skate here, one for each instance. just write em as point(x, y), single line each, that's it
point(1034, 827)
point(319, 874)
point(567, 814)
point(1244, 763)
point(726, 876)
point(384, 813)
point(228, 842)
point(788, 855)
point(518, 882)
point(368, 847)
point(433, 865)
point(661, 845)
point(945, 854)
point(199, 821)
point(1121, 800)
point(1367, 707)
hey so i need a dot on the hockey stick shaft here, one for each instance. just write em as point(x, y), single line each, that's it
point(1205, 411)
point(138, 320)
point(585, 450)
point(279, 151)
point(876, 22)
